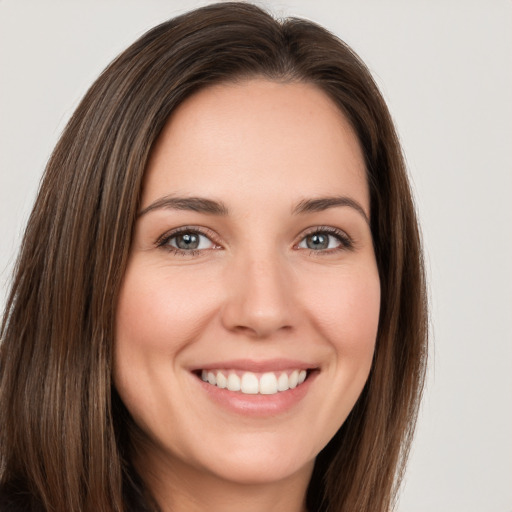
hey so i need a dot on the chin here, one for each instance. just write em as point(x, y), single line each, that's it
point(260, 460)
point(264, 471)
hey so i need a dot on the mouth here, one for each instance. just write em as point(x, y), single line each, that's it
point(257, 389)
point(254, 383)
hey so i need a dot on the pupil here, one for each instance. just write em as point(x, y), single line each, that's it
point(317, 242)
point(187, 241)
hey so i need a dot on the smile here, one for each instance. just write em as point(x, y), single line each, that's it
point(249, 383)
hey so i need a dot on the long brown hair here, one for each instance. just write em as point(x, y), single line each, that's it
point(64, 435)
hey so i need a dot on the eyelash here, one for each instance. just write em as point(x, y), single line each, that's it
point(345, 241)
point(163, 241)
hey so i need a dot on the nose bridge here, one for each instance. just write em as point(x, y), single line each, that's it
point(259, 299)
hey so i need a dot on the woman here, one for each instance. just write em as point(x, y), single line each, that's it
point(219, 300)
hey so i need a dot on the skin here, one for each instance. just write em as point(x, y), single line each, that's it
point(254, 290)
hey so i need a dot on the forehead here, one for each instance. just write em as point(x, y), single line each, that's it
point(257, 136)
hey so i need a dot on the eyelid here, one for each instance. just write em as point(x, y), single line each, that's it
point(346, 242)
point(162, 240)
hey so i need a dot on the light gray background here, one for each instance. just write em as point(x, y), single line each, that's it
point(445, 68)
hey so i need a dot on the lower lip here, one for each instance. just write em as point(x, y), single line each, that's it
point(258, 405)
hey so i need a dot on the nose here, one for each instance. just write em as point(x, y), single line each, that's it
point(259, 299)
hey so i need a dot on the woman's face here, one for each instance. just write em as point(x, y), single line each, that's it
point(251, 267)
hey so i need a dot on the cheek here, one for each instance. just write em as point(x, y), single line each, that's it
point(347, 318)
point(160, 311)
point(159, 314)
point(340, 310)
point(347, 313)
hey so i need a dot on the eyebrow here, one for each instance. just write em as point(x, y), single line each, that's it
point(195, 204)
point(212, 207)
point(324, 203)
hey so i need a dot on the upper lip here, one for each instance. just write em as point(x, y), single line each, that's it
point(249, 365)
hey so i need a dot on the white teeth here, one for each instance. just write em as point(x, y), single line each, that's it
point(222, 382)
point(293, 379)
point(266, 384)
point(249, 384)
point(282, 382)
point(233, 382)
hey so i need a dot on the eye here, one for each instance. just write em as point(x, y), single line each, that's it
point(325, 239)
point(186, 241)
